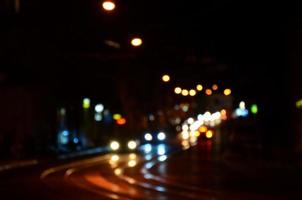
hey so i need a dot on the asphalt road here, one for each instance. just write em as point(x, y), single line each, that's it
point(158, 173)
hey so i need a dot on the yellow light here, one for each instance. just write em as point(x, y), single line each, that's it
point(131, 163)
point(114, 145)
point(299, 103)
point(118, 171)
point(215, 87)
point(132, 156)
point(136, 42)
point(203, 129)
point(199, 87)
point(209, 92)
point(192, 92)
point(227, 92)
point(86, 103)
point(223, 112)
point(108, 5)
point(117, 116)
point(177, 90)
point(185, 92)
point(132, 145)
point(185, 144)
point(114, 158)
point(166, 78)
point(197, 133)
point(209, 134)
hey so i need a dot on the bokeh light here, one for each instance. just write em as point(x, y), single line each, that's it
point(209, 92)
point(108, 5)
point(227, 92)
point(166, 78)
point(136, 42)
point(199, 87)
point(192, 92)
point(215, 87)
point(185, 92)
point(177, 90)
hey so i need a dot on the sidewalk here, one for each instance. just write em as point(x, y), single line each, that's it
point(13, 164)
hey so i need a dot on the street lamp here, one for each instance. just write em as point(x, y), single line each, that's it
point(192, 92)
point(199, 87)
point(166, 78)
point(136, 42)
point(108, 5)
point(209, 92)
point(177, 90)
point(227, 92)
point(185, 92)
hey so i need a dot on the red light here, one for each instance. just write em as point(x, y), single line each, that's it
point(121, 121)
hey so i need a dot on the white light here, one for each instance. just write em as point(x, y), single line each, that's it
point(242, 105)
point(185, 108)
point(162, 158)
point(148, 157)
point(148, 137)
point(132, 144)
point(185, 135)
point(108, 6)
point(147, 148)
point(161, 150)
point(190, 120)
point(99, 108)
point(207, 116)
point(136, 42)
point(98, 117)
point(161, 136)
point(151, 117)
point(114, 145)
point(200, 117)
point(185, 127)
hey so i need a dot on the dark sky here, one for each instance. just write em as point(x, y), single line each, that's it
point(61, 43)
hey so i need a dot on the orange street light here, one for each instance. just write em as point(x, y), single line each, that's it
point(108, 5)
point(136, 42)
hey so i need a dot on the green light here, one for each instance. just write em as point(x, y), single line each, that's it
point(86, 103)
point(299, 103)
point(254, 109)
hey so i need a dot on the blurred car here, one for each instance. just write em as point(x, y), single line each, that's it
point(125, 144)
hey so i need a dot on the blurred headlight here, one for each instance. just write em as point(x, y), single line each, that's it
point(114, 145)
point(148, 137)
point(161, 136)
point(132, 144)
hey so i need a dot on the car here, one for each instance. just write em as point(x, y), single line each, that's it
point(124, 145)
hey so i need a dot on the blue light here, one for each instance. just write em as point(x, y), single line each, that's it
point(147, 148)
point(75, 140)
point(65, 133)
point(161, 150)
point(242, 112)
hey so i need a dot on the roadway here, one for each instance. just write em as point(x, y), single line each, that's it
point(157, 172)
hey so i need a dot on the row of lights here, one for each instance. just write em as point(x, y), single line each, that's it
point(193, 92)
point(109, 6)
